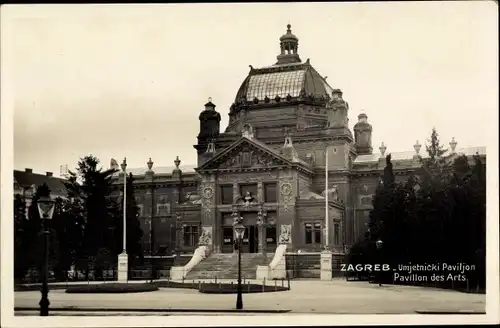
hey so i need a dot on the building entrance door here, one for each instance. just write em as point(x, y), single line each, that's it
point(250, 240)
point(227, 239)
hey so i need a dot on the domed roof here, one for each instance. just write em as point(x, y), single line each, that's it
point(288, 80)
point(289, 35)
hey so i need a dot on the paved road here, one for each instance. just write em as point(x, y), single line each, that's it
point(332, 297)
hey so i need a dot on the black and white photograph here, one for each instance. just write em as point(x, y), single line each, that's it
point(294, 163)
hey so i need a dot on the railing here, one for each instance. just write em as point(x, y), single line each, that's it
point(152, 267)
point(303, 265)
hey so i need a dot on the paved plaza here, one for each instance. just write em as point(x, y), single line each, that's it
point(305, 296)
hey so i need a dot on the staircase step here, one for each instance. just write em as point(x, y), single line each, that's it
point(225, 266)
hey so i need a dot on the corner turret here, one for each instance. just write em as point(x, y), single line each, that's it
point(363, 135)
point(209, 123)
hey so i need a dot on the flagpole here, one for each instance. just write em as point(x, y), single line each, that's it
point(326, 200)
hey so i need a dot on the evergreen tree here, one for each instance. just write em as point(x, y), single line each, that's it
point(382, 202)
point(434, 148)
point(99, 208)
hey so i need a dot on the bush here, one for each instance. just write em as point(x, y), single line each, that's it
point(112, 288)
point(220, 288)
point(212, 288)
point(37, 287)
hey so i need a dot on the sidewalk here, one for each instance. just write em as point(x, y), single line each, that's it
point(330, 297)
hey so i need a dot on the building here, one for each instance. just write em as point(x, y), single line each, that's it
point(288, 130)
point(26, 182)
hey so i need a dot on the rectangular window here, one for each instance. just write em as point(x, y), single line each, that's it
point(140, 210)
point(163, 209)
point(190, 235)
point(313, 233)
point(270, 193)
point(271, 235)
point(227, 236)
point(336, 233)
point(226, 194)
point(252, 188)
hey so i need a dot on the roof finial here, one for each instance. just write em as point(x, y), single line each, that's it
point(417, 147)
point(382, 149)
point(289, 28)
point(177, 162)
point(150, 164)
point(453, 145)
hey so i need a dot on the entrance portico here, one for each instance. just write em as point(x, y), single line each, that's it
point(260, 233)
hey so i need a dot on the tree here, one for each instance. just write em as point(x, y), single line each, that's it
point(20, 243)
point(382, 202)
point(434, 148)
point(94, 202)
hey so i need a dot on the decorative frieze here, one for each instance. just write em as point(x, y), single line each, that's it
point(286, 194)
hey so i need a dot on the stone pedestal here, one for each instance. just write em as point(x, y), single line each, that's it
point(279, 272)
point(123, 267)
point(262, 272)
point(177, 272)
point(326, 265)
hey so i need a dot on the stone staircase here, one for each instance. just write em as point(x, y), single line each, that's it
point(225, 266)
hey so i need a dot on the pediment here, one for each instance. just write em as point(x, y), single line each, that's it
point(245, 154)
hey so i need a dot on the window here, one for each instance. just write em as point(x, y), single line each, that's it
point(271, 235)
point(139, 210)
point(252, 188)
point(270, 192)
point(190, 235)
point(313, 233)
point(163, 209)
point(226, 193)
point(227, 236)
point(336, 233)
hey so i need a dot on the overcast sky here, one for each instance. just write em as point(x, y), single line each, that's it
point(117, 81)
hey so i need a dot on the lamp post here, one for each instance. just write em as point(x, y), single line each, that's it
point(379, 244)
point(46, 210)
point(239, 229)
point(123, 257)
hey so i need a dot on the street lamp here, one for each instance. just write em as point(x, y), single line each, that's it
point(379, 244)
point(239, 229)
point(46, 210)
point(123, 257)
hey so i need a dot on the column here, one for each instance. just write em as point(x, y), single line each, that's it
point(260, 191)
point(261, 237)
point(217, 233)
point(236, 192)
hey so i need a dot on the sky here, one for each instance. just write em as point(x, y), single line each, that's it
point(129, 81)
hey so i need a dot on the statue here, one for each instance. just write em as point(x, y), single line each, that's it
point(248, 198)
point(336, 109)
point(288, 138)
point(206, 236)
point(192, 198)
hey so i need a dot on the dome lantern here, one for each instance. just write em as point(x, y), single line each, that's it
point(289, 46)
